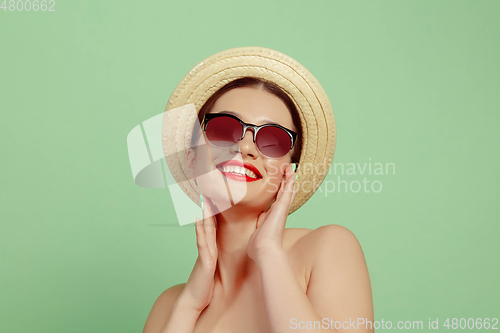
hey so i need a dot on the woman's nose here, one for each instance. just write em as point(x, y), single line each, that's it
point(247, 146)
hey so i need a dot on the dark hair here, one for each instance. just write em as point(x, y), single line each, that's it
point(258, 83)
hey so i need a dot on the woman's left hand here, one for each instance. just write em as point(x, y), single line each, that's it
point(268, 235)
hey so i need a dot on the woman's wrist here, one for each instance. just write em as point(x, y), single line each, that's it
point(269, 254)
point(184, 304)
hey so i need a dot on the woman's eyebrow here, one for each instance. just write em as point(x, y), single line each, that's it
point(267, 121)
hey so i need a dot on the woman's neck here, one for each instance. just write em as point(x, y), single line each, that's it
point(234, 267)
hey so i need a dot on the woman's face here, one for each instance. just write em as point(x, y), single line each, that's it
point(253, 106)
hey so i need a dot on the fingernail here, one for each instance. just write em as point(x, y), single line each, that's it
point(294, 166)
point(194, 222)
point(296, 176)
point(201, 200)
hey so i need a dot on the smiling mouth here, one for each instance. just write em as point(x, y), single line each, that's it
point(238, 173)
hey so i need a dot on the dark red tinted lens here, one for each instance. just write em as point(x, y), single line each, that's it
point(224, 131)
point(273, 141)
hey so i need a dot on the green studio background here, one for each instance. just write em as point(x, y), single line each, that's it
point(413, 83)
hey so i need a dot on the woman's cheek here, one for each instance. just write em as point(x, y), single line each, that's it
point(207, 179)
point(273, 187)
point(275, 171)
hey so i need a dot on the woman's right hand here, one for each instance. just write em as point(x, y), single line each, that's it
point(199, 288)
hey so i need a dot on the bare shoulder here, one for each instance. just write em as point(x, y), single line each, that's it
point(330, 247)
point(292, 236)
point(161, 309)
point(339, 285)
point(334, 235)
point(327, 236)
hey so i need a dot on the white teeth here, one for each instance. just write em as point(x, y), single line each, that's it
point(239, 171)
point(250, 174)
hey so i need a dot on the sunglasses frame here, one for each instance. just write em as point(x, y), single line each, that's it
point(255, 128)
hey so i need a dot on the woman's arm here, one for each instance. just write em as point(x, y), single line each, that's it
point(189, 300)
point(182, 318)
point(339, 292)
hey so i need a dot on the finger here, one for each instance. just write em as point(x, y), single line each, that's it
point(289, 186)
point(209, 225)
point(288, 178)
point(201, 241)
point(282, 187)
point(284, 202)
point(279, 210)
point(261, 219)
point(293, 198)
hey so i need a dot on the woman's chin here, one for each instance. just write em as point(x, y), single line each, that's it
point(246, 202)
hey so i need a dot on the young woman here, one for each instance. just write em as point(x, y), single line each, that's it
point(252, 274)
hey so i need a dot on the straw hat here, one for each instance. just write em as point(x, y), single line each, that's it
point(315, 112)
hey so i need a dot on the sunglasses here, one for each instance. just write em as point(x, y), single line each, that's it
point(224, 130)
